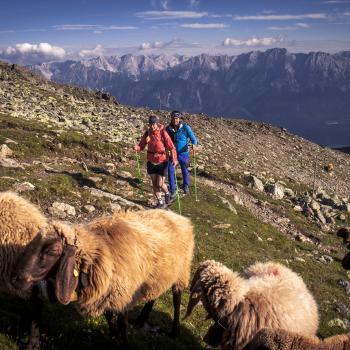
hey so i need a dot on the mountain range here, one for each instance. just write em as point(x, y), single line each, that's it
point(307, 93)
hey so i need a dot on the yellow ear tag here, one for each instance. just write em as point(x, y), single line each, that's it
point(75, 273)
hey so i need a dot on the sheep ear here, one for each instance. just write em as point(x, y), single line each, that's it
point(195, 297)
point(66, 276)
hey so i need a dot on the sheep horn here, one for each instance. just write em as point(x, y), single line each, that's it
point(195, 297)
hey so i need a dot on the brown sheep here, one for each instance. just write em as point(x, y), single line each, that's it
point(20, 221)
point(279, 339)
point(267, 295)
point(113, 262)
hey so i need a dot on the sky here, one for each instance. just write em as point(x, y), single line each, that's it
point(33, 31)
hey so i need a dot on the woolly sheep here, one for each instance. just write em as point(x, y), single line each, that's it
point(266, 295)
point(120, 260)
point(20, 221)
point(279, 339)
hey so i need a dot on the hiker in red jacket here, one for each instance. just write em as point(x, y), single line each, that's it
point(158, 144)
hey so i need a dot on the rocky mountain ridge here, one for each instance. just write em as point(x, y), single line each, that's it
point(306, 93)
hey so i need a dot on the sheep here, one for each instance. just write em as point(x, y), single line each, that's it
point(113, 262)
point(266, 295)
point(279, 339)
point(20, 221)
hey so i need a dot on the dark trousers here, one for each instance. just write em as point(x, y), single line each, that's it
point(183, 159)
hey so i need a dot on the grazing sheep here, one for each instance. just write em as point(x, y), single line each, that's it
point(20, 221)
point(266, 295)
point(114, 262)
point(279, 339)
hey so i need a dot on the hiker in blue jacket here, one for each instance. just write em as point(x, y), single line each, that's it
point(180, 133)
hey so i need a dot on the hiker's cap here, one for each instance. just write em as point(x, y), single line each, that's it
point(152, 119)
point(175, 114)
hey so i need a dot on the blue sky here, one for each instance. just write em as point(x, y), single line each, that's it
point(82, 28)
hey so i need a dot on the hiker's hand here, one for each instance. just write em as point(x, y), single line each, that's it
point(194, 149)
point(137, 148)
point(175, 162)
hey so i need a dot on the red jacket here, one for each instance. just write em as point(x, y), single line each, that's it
point(159, 142)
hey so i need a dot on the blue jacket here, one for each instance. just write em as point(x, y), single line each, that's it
point(180, 136)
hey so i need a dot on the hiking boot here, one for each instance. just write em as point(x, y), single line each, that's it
point(186, 190)
point(160, 204)
point(170, 197)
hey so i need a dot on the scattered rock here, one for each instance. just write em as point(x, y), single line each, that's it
point(5, 151)
point(343, 309)
point(222, 226)
point(346, 285)
point(95, 179)
point(298, 258)
point(10, 163)
point(325, 259)
point(126, 203)
point(231, 208)
point(258, 237)
point(276, 190)
point(62, 210)
point(255, 183)
point(289, 192)
point(115, 207)
point(8, 141)
point(237, 199)
point(125, 174)
point(337, 322)
point(226, 166)
point(314, 205)
point(110, 167)
point(89, 208)
point(320, 217)
point(298, 208)
point(23, 187)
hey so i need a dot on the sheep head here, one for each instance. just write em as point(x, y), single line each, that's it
point(50, 253)
point(220, 290)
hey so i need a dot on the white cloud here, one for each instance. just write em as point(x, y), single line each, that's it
point(253, 41)
point(26, 53)
point(302, 25)
point(346, 13)
point(282, 28)
point(336, 2)
point(281, 17)
point(160, 44)
point(97, 51)
point(292, 27)
point(205, 25)
point(6, 31)
point(93, 27)
point(170, 14)
point(154, 45)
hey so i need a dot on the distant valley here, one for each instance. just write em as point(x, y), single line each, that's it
point(309, 94)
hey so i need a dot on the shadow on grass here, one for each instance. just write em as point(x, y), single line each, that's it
point(63, 328)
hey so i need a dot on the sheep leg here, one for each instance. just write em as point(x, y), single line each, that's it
point(177, 303)
point(145, 312)
point(122, 325)
point(112, 323)
point(32, 319)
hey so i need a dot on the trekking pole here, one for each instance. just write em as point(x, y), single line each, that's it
point(177, 191)
point(195, 174)
point(139, 171)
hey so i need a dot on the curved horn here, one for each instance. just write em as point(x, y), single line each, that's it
point(195, 297)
